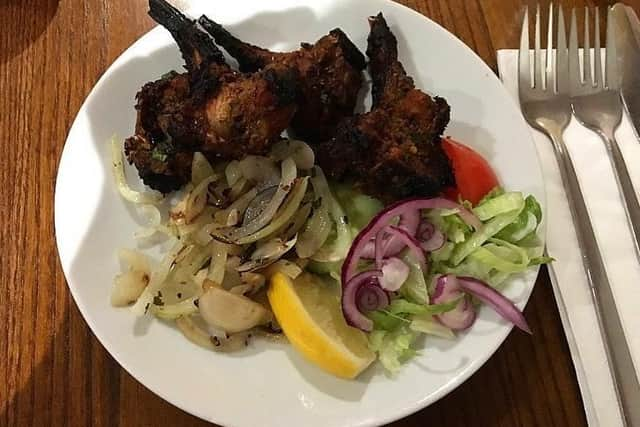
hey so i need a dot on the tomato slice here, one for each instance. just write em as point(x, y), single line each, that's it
point(474, 177)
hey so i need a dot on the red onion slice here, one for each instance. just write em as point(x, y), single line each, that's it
point(448, 289)
point(435, 242)
point(379, 245)
point(382, 220)
point(409, 222)
point(352, 313)
point(494, 299)
point(371, 297)
point(394, 273)
point(411, 242)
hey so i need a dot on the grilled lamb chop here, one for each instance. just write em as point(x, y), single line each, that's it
point(211, 108)
point(330, 76)
point(394, 151)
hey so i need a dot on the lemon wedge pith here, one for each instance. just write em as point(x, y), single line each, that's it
point(308, 310)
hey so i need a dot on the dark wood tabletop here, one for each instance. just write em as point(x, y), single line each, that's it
point(53, 371)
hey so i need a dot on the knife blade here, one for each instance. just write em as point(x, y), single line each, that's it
point(627, 31)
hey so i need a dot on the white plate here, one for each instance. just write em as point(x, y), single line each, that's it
point(269, 384)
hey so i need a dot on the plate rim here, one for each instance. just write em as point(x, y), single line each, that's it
point(406, 410)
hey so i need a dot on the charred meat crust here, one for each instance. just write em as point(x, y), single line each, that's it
point(394, 151)
point(211, 108)
point(330, 73)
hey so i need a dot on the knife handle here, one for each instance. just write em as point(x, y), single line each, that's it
point(617, 350)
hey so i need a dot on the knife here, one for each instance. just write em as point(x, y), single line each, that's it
point(627, 30)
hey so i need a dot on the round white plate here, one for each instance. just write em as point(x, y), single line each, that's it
point(269, 384)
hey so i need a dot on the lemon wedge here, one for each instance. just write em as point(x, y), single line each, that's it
point(308, 310)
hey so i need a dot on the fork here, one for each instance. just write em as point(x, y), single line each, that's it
point(597, 105)
point(546, 105)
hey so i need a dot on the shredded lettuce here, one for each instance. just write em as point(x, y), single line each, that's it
point(360, 208)
point(427, 325)
point(495, 206)
point(415, 287)
point(504, 245)
point(393, 348)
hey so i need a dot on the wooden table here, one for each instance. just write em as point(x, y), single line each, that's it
point(52, 369)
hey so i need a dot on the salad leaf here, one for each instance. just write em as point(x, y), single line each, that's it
point(415, 287)
point(427, 325)
point(526, 223)
point(402, 306)
point(360, 208)
point(393, 348)
point(492, 207)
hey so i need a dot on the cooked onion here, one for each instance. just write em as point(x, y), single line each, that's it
point(289, 173)
point(233, 172)
point(267, 254)
point(300, 152)
point(200, 168)
point(260, 170)
point(128, 287)
point(337, 250)
point(284, 215)
point(218, 264)
point(121, 181)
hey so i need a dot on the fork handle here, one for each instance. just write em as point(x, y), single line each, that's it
point(620, 362)
point(629, 196)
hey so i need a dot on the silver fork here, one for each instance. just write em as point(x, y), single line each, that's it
point(546, 105)
point(597, 105)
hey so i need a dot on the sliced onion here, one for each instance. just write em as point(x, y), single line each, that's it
point(289, 173)
point(128, 287)
point(233, 173)
point(394, 273)
point(494, 299)
point(239, 188)
point(284, 215)
point(383, 219)
point(352, 313)
point(239, 205)
point(463, 315)
point(409, 222)
point(371, 297)
point(297, 222)
point(217, 267)
point(337, 250)
point(431, 239)
point(260, 170)
point(318, 227)
point(300, 152)
point(267, 254)
point(157, 279)
point(258, 204)
point(121, 181)
point(411, 242)
point(288, 268)
point(200, 168)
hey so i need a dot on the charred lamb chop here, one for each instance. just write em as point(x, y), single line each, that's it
point(394, 151)
point(211, 108)
point(330, 76)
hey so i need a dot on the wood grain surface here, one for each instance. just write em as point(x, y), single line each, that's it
point(52, 369)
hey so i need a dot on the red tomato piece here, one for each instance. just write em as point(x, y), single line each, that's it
point(474, 177)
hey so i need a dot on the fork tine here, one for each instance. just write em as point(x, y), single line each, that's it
point(538, 70)
point(586, 53)
point(597, 58)
point(549, 59)
point(611, 65)
point(524, 60)
point(562, 56)
point(575, 76)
